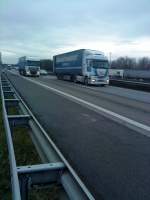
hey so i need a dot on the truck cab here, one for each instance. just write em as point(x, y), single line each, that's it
point(29, 67)
point(96, 67)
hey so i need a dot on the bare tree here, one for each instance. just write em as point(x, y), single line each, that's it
point(124, 63)
point(144, 63)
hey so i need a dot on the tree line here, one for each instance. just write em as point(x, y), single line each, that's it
point(131, 63)
point(46, 64)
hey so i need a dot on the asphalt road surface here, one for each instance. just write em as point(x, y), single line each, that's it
point(112, 159)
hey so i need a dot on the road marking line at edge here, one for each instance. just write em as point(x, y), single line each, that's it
point(137, 126)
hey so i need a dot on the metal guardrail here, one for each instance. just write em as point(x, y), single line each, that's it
point(57, 169)
point(130, 84)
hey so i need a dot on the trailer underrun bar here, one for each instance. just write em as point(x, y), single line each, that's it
point(56, 169)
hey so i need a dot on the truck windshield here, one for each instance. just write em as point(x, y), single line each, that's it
point(98, 67)
point(33, 63)
point(99, 64)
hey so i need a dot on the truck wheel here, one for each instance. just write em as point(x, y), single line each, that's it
point(74, 79)
point(58, 77)
point(86, 81)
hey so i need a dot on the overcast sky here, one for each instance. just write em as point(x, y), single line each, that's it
point(43, 28)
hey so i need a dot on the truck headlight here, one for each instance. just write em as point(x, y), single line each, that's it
point(28, 72)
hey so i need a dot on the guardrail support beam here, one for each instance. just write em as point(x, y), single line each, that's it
point(11, 102)
point(18, 120)
point(9, 92)
point(42, 174)
point(6, 88)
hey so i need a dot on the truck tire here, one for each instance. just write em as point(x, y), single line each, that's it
point(58, 77)
point(74, 79)
point(86, 81)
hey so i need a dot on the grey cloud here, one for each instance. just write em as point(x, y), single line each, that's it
point(40, 27)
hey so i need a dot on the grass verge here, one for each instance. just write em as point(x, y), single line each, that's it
point(26, 154)
point(5, 191)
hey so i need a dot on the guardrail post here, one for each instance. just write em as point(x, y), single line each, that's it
point(24, 180)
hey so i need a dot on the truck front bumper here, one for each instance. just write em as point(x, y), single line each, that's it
point(98, 82)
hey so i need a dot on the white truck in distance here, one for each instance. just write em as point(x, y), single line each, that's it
point(84, 65)
point(29, 66)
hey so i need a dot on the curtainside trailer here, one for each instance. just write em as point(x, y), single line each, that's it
point(84, 65)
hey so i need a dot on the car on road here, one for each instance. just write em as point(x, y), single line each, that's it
point(43, 72)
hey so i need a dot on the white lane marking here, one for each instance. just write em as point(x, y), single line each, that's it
point(107, 92)
point(83, 186)
point(125, 94)
point(122, 95)
point(137, 126)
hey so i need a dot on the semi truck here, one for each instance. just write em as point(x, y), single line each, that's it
point(83, 65)
point(29, 66)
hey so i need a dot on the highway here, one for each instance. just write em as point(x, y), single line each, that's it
point(104, 132)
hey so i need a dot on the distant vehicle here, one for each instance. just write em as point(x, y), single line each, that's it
point(137, 74)
point(29, 66)
point(116, 73)
point(43, 72)
point(84, 65)
point(9, 67)
point(132, 74)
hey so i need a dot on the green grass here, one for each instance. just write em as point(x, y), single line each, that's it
point(26, 154)
point(25, 151)
point(5, 190)
point(12, 111)
point(49, 193)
